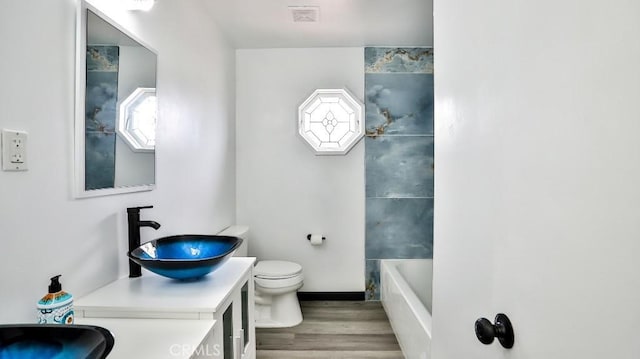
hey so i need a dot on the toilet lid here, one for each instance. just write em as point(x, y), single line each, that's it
point(276, 269)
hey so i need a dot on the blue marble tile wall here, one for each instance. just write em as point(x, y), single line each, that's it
point(100, 116)
point(398, 157)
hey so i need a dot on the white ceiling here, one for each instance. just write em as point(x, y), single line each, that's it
point(269, 24)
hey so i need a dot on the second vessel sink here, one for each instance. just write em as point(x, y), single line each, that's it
point(185, 257)
point(54, 341)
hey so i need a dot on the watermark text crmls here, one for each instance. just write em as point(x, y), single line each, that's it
point(202, 350)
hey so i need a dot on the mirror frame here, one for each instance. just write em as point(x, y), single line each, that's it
point(79, 189)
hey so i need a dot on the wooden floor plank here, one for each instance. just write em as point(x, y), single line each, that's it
point(347, 312)
point(328, 354)
point(329, 342)
point(340, 329)
point(314, 326)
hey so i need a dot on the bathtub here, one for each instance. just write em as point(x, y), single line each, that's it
point(406, 297)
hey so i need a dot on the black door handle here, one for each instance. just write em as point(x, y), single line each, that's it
point(502, 329)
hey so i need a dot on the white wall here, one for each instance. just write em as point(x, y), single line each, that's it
point(284, 190)
point(43, 231)
point(133, 168)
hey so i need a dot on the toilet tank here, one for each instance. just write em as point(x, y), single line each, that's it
point(241, 232)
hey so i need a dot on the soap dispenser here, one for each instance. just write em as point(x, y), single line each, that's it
point(57, 306)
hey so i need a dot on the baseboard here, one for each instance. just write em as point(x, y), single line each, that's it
point(306, 296)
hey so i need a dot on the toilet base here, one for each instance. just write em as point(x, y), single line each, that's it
point(277, 311)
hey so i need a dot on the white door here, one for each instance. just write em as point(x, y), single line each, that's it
point(537, 193)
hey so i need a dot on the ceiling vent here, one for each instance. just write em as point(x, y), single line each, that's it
point(305, 13)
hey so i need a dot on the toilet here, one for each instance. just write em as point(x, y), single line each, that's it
point(276, 285)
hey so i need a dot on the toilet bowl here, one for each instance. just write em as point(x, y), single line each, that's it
point(276, 302)
point(276, 285)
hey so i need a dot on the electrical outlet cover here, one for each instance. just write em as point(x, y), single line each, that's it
point(14, 150)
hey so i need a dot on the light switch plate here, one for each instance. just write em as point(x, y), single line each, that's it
point(14, 150)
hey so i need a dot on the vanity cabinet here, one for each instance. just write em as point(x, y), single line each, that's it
point(159, 338)
point(235, 328)
point(223, 301)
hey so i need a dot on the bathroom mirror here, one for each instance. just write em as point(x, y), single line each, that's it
point(116, 108)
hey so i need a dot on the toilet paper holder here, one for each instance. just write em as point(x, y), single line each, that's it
point(309, 237)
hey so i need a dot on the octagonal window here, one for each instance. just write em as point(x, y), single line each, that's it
point(330, 121)
point(137, 119)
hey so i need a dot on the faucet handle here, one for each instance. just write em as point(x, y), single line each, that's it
point(137, 209)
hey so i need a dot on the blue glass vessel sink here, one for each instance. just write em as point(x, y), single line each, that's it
point(54, 341)
point(185, 257)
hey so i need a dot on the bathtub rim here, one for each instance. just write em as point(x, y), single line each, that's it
point(418, 308)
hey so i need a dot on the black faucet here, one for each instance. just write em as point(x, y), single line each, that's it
point(134, 236)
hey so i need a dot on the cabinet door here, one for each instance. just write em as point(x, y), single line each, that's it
point(248, 325)
point(244, 320)
point(228, 337)
point(225, 332)
point(235, 327)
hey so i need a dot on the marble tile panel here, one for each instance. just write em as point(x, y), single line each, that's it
point(399, 228)
point(384, 59)
point(372, 278)
point(103, 58)
point(398, 104)
point(399, 166)
point(100, 101)
point(100, 161)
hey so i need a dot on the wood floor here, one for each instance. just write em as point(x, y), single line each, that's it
point(332, 330)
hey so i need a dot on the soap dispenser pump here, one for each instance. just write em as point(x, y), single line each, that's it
point(57, 306)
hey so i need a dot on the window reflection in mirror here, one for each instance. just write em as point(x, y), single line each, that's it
point(118, 68)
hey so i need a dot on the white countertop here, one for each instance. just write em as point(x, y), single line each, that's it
point(156, 338)
point(153, 296)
